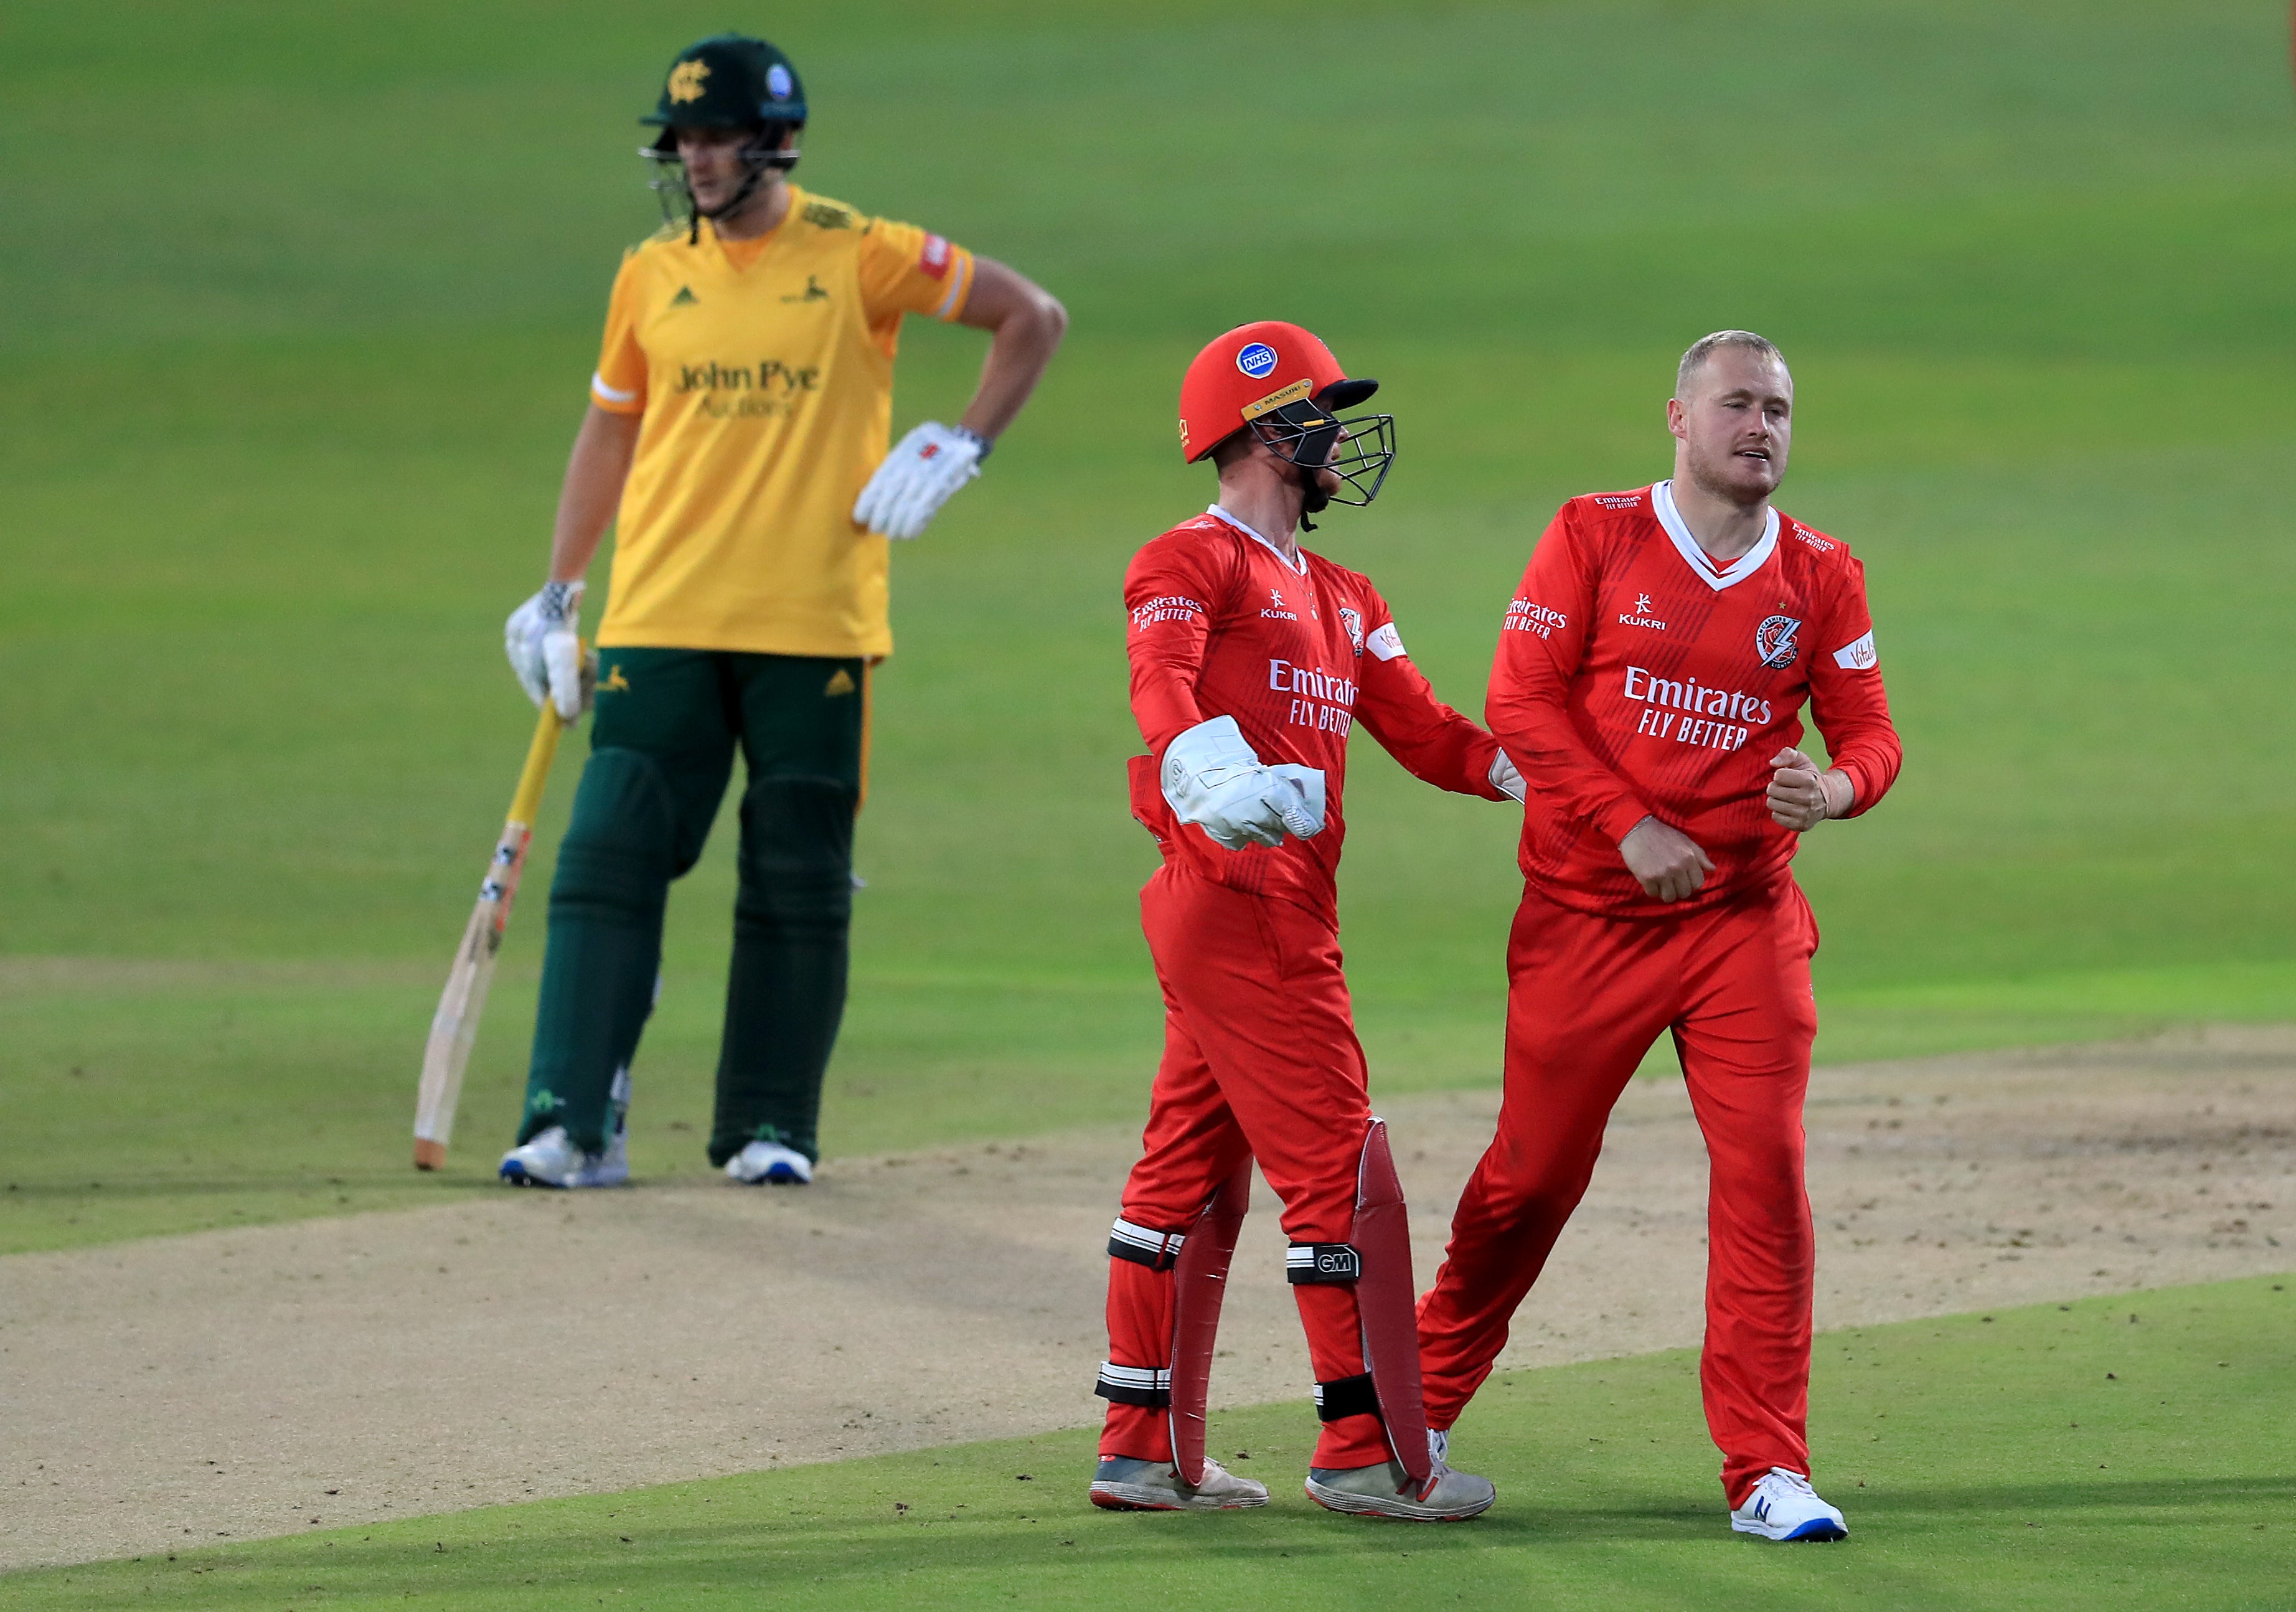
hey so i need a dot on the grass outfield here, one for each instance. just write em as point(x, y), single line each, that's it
point(2113, 1452)
point(282, 439)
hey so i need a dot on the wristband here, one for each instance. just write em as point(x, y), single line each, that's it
point(561, 602)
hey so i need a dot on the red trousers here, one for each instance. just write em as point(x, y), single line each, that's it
point(1587, 997)
point(1260, 1058)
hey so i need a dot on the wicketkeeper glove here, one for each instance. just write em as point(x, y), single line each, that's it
point(1212, 779)
point(545, 651)
point(920, 476)
point(1506, 779)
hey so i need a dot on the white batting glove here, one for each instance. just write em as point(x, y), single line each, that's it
point(1506, 779)
point(920, 476)
point(545, 651)
point(1212, 779)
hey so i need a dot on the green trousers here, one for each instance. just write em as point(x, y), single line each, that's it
point(663, 743)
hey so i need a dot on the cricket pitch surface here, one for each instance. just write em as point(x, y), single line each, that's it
point(242, 1383)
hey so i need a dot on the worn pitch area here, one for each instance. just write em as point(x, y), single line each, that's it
point(235, 1383)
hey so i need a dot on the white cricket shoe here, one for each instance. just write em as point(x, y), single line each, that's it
point(1121, 1483)
point(551, 1159)
point(770, 1165)
point(1784, 1506)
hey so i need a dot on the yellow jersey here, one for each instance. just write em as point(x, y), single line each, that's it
point(763, 371)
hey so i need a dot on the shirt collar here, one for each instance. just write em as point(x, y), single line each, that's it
point(1298, 565)
point(1711, 571)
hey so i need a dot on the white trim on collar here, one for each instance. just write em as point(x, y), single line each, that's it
point(1715, 576)
point(1298, 565)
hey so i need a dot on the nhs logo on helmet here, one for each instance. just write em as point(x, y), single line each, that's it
point(1257, 360)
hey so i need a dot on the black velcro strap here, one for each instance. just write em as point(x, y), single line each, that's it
point(1321, 1262)
point(1149, 1385)
point(1144, 1244)
point(1348, 1396)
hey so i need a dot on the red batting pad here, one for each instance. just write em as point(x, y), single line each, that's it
point(1199, 1284)
point(1385, 1300)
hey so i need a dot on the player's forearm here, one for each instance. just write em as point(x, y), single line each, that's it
point(1163, 702)
point(1860, 739)
point(1027, 324)
point(1864, 772)
point(1545, 746)
point(1432, 742)
point(592, 491)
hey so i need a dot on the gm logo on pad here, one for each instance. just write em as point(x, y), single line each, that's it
point(1257, 360)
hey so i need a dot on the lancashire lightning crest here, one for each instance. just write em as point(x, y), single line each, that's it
point(1775, 642)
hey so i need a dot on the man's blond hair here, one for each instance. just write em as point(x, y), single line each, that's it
point(1704, 347)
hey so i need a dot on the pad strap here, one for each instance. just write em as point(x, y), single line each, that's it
point(1144, 1245)
point(1346, 1396)
point(1321, 1262)
point(1149, 1385)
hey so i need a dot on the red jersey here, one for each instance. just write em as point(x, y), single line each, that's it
point(1224, 625)
point(1635, 677)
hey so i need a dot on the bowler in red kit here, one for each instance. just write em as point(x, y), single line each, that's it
point(1650, 678)
point(1253, 662)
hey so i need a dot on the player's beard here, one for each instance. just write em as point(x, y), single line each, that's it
point(1731, 482)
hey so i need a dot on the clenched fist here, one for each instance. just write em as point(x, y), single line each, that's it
point(1667, 861)
point(1801, 797)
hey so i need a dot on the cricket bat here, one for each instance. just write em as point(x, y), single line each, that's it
point(456, 1024)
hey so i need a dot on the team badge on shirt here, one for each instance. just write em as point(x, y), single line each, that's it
point(1775, 642)
point(1352, 619)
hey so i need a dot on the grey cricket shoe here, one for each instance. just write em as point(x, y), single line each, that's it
point(1121, 1483)
point(1385, 1491)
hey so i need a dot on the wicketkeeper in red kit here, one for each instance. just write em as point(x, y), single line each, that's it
point(1251, 661)
point(1651, 675)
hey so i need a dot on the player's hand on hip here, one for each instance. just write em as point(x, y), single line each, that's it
point(545, 651)
point(1667, 862)
point(1211, 777)
point(1800, 796)
point(922, 473)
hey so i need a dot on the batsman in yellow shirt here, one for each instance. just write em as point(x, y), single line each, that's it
point(736, 439)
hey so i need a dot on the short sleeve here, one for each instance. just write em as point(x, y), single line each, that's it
point(619, 384)
point(906, 270)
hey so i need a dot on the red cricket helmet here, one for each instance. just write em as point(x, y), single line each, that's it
point(1283, 381)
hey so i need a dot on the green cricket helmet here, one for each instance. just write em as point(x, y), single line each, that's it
point(726, 81)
